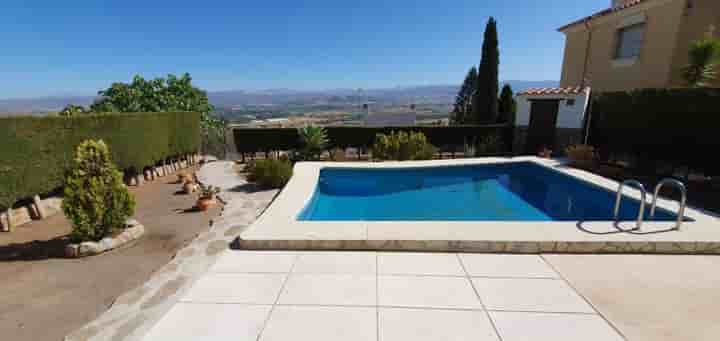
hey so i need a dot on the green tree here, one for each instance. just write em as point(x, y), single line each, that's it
point(72, 110)
point(704, 56)
point(96, 199)
point(165, 95)
point(506, 105)
point(485, 103)
point(462, 106)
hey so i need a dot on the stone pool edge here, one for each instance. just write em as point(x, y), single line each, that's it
point(278, 227)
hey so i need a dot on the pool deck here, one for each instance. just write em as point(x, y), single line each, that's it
point(278, 227)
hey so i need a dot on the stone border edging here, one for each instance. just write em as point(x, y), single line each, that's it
point(133, 231)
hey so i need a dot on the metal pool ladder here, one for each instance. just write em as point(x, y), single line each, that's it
point(618, 199)
point(683, 200)
point(643, 194)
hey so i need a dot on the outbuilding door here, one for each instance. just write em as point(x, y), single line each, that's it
point(541, 129)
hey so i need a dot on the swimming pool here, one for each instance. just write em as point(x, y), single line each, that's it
point(512, 191)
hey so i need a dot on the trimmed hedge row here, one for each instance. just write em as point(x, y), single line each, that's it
point(676, 126)
point(250, 140)
point(36, 151)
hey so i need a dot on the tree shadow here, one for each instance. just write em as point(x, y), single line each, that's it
point(34, 250)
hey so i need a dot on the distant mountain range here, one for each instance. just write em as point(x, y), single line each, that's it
point(435, 94)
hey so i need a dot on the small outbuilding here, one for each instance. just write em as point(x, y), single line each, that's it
point(551, 118)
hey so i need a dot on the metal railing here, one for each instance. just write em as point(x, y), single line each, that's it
point(618, 199)
point(683, 200)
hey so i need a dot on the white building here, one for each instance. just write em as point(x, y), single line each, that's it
point(550, 118)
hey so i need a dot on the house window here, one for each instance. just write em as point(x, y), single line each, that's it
point(570, 102)
point(630, 40)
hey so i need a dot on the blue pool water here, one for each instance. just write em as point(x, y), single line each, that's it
point(519, 191)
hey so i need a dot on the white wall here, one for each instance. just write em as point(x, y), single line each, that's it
point(568, 116)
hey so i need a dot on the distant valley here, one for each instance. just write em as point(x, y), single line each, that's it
point(239, 105)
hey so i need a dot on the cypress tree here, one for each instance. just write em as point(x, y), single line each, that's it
point(485, 101)
point(461, 108)
point(506, 105)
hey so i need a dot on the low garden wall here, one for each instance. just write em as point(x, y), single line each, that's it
point(671, 126)
point(252, 140)
point(36, 151)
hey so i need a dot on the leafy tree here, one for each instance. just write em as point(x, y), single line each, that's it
point(506, 105)
point(485, 103)
point(462, 107)
point(96, 199)
point(164, 95)
point(704, 58)
point(72, 110)
point(314, 140)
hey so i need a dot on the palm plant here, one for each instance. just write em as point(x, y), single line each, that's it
point(704, 58)
point(314, 140)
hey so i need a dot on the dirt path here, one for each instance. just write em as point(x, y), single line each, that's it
point(43, 297)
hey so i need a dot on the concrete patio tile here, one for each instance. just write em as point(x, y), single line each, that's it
point(236, 288)
point(329, 289)
point(441, 264)
point(517, 326)
point(193, 321)
point(502, 265)
point(337, 263)
point(321, 324)
point(541, 295)
point(428, 292)
point(401, 324)
point(250, 261)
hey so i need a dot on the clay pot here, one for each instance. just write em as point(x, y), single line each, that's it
point(188, 187)
point(204, 203)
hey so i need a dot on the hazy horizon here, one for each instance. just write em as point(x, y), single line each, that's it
point(288, 89)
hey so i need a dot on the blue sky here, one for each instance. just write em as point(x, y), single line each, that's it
point(50, 47)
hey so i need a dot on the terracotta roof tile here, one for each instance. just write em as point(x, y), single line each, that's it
point(576, 90)
point(608, 11)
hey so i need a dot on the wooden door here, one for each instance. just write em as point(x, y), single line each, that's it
point(541, 129)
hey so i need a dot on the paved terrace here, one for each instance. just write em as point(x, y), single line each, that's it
point(214, 293)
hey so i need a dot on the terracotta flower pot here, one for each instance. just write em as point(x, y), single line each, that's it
point(188, 187)
point(204, 203)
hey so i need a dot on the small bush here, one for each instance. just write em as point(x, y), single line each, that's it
point(270, 173)
point(402, 146)
point(96, 199)
point(313, 140)
point(490, 145)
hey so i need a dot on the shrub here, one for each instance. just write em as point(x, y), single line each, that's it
point(402, 146)
point(270, 173)
point(704, 57)
point(313, 140)
point(673, 126)
point(37, 151)
point(96, 199)
point(490, 145)
point(250, 140)
point(580, 153)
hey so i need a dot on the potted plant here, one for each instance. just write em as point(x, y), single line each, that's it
point(184, 178)
point(581, 155)
point(206, 197)
point(189, 187)
point(545, 152)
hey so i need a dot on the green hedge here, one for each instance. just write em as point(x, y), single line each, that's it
point(35, 151)
point(250, 140)
point(676, 126)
